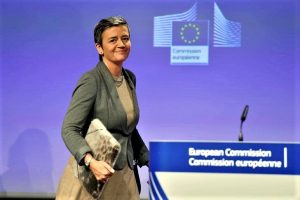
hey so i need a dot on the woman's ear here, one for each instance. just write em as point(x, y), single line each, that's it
point(99, 48)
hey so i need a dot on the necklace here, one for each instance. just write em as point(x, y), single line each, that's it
point(118, 80)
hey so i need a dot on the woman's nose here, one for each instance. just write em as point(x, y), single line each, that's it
point(121, 43)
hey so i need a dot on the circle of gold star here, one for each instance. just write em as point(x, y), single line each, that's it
point(196, 33)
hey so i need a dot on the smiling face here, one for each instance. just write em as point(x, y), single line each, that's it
point(115, 47)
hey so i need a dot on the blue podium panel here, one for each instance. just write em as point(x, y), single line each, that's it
point(224, 170)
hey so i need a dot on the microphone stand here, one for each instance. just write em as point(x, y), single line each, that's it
point(241, 135)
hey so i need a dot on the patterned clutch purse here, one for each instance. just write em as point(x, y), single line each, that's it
point(104, 147)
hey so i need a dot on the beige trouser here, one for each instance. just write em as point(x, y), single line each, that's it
point(121, 186)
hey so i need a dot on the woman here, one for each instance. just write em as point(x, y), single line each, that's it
point(107, 92)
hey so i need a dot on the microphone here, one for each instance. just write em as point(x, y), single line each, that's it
point(243, 118)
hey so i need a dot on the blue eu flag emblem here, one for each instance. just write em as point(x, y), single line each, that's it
point(187, 33)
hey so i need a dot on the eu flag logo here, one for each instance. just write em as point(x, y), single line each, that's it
point(190, 42)
point(193, 33)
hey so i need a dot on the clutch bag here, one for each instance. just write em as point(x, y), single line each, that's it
point(104, 147)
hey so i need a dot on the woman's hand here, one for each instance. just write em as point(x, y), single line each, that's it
point(101, 170)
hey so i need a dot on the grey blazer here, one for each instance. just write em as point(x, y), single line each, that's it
point(96, 96)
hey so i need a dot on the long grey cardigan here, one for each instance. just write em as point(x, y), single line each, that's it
point(95, 96)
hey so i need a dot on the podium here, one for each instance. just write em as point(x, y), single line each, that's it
point(183, 170)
